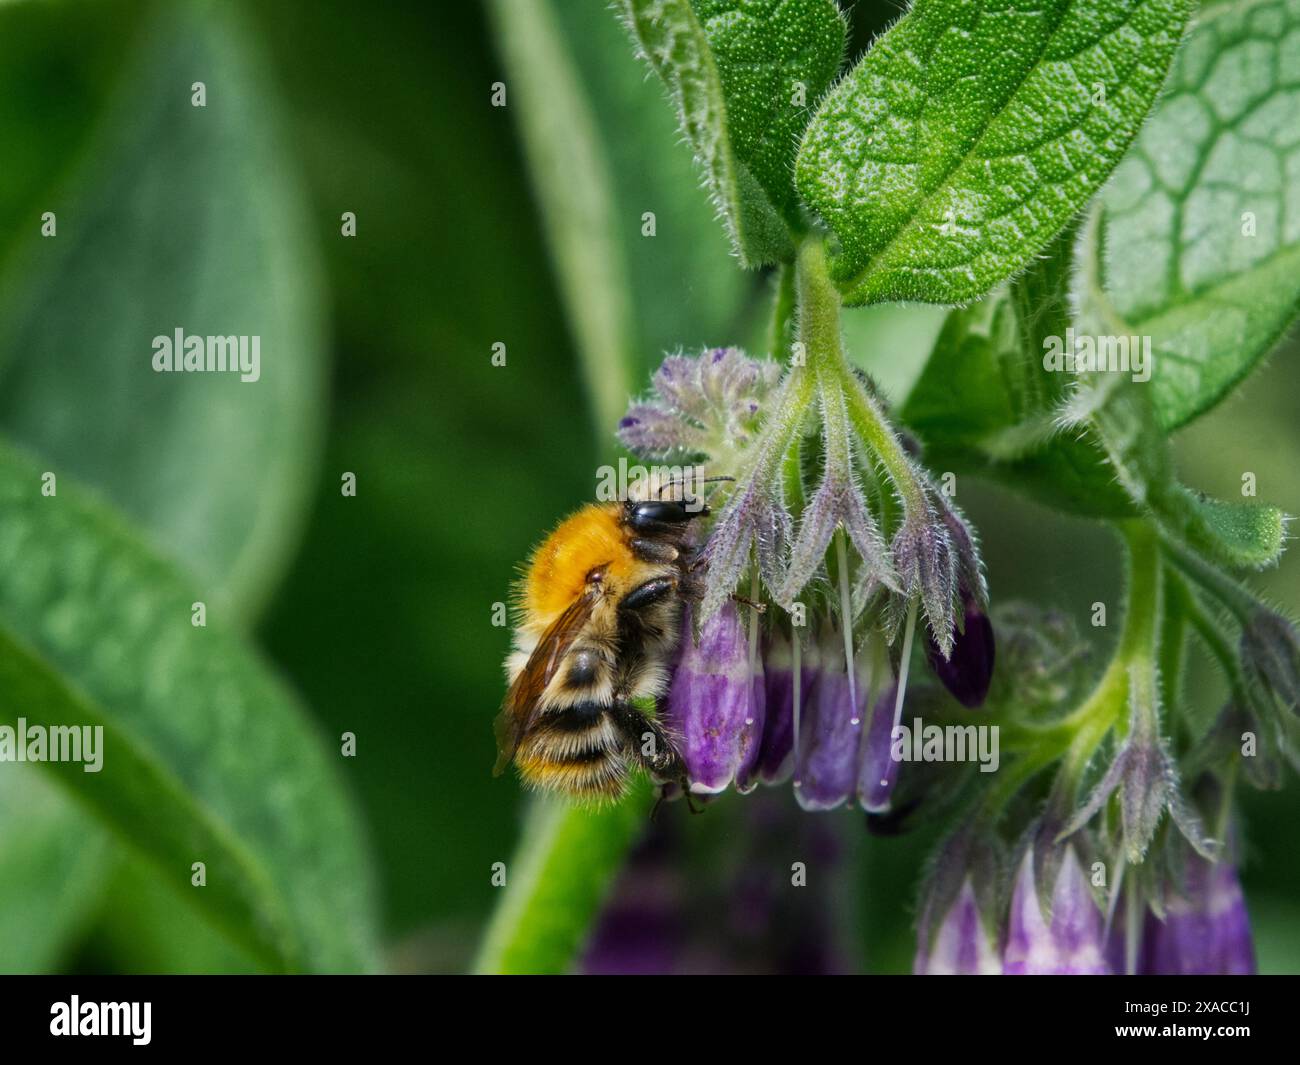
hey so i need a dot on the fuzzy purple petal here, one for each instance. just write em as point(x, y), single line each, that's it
point(879, 772)
point(710, 706)
point(1070, 942)
point(961, 946)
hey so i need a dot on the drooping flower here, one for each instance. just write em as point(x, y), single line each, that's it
point(956, 930)
point(967, 671)
point(962, 945)
point(826, 762)
point(1205, 929)
point(879, 769)
point(776, 754)
point(1065, 939)
point(711, 702)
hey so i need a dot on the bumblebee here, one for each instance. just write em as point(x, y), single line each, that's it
point(601, 615)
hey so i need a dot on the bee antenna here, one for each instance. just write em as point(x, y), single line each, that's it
point(701, 480)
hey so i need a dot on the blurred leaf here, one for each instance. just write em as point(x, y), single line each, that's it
point(686, 290)
point(571, 179)
point(206, 756)
point(1201, 222)
point(53, 857)
point(677, 47)
point(182, 218)
point(145, 927)
point(972, 132)
point(566, 864)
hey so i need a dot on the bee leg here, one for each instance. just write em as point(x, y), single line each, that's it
point(760, 607)
point(649, 744)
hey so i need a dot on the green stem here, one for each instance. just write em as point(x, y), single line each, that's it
point(819, 332)
point(567, 860)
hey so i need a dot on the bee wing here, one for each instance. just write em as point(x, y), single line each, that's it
point(520, 708)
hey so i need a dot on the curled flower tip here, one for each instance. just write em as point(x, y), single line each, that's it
point(926, 567)
point(967, 671)
point(1068, 939)
point(776, 751)
point(1205, 930)
point(826, 762)
point(1147, 779)
point(961, 945)
point(711, 702)
point(707, 405)
point(880, 758)
point(1270, 658)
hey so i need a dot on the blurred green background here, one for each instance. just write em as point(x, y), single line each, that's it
point(378, 609)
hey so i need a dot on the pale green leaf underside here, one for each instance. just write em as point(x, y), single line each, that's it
point(736, 107)
point(972, 132)
point(206, 756)
point(1220, 157)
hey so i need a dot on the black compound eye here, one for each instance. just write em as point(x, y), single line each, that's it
point(660, 512)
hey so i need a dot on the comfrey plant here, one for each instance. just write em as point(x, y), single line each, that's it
point(842, 641)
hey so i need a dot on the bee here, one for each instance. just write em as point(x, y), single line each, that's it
point(601, 602)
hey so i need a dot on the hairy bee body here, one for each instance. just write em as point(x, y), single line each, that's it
point(601, 614)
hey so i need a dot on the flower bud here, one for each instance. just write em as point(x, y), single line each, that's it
point(961, 946)
point(968, 671)
point(826, 764)
point(711, 702)
point(1068, 940)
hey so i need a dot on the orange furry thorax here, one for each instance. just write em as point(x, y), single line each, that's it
point(557, 572)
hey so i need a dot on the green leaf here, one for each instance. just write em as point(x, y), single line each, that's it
point(567, 861)
point(984, 404)
point(186, 218)
point(1120, 414)
point(743, 78)
point(206, 757)
point(52, 870)
point(775, 59)
point(972, 132)
point(1201, 222)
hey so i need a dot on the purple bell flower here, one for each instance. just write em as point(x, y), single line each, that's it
point(711, 703)
point(776, 753)
point(1067, 942)
point(879, 771)
point(826, 763)
point(962, 945)
point(1206, 929)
